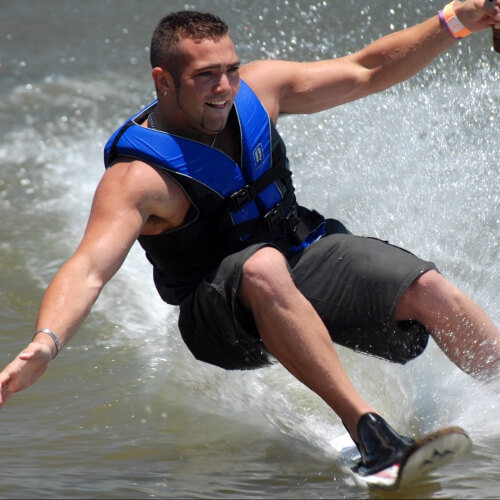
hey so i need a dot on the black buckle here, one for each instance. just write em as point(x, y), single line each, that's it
point(240, 198)
point(291, 219)
point(273, 216)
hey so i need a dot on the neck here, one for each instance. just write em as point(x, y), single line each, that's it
point(155, 122)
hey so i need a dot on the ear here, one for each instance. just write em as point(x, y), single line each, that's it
point(163, 80)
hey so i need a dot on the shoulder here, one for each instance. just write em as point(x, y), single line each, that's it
point(269, 79)
point(132, 179)
point(135, 186)
point(131, 171)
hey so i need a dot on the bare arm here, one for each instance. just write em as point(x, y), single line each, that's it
point(111, 230)
point(297, 87)
point(126, 197)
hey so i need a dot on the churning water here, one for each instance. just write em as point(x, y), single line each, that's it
point(125, 411)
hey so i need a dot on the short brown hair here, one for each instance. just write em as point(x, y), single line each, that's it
point(180, 25)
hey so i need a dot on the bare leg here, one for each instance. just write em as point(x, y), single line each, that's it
point(458, 325)
point(293, 332)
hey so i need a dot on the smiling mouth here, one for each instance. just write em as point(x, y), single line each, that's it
point(217, 104)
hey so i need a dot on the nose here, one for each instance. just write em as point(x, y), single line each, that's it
point(223, 85)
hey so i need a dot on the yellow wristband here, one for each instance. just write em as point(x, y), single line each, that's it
point(453, 24)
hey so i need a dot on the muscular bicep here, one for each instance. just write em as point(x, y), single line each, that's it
point(306, 87)
point(119, 211)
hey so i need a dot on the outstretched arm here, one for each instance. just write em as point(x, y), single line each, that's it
point(297, 87)
point(118, 214)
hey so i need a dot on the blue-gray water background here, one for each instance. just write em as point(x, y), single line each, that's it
point(125, 411)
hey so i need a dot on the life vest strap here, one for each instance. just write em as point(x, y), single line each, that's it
point(287, 230)
point(249, 192)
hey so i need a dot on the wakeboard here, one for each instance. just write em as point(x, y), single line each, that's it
point(426, 454)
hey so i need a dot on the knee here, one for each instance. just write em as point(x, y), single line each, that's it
point(264, 275)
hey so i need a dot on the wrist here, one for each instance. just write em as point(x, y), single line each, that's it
point(48, 338)
point(452, 23)
point(38, 349)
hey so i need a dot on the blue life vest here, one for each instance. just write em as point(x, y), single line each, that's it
point(231, 206)
point(260, 195)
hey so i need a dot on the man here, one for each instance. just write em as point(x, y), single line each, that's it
point(200, 178)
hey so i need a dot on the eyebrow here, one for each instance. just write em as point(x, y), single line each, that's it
point(218, 66)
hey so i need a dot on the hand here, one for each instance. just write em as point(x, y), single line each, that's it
point(477, 15)
point(29, 365)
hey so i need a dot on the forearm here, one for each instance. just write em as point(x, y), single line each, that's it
point(66, 303)
point(398, 56)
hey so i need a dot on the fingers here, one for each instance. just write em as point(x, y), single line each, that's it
point(491, 4)
point(4, 388)
point(24, 370)
point(493, 12)
point(4, 395)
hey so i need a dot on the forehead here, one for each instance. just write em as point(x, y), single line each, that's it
point(207, 53)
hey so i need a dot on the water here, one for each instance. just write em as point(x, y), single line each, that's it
point(125, 411)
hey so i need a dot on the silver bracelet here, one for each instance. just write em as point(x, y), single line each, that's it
point(53, 335)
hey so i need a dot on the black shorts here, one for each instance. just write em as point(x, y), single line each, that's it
point(353, 282)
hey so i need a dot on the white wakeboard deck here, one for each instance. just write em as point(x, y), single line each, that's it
point(428, 453)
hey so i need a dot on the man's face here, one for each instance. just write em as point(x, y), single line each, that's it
point(207, 85)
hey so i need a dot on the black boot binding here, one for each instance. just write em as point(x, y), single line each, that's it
point(379, 444)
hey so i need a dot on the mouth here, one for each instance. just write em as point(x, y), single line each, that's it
point(217, 104)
